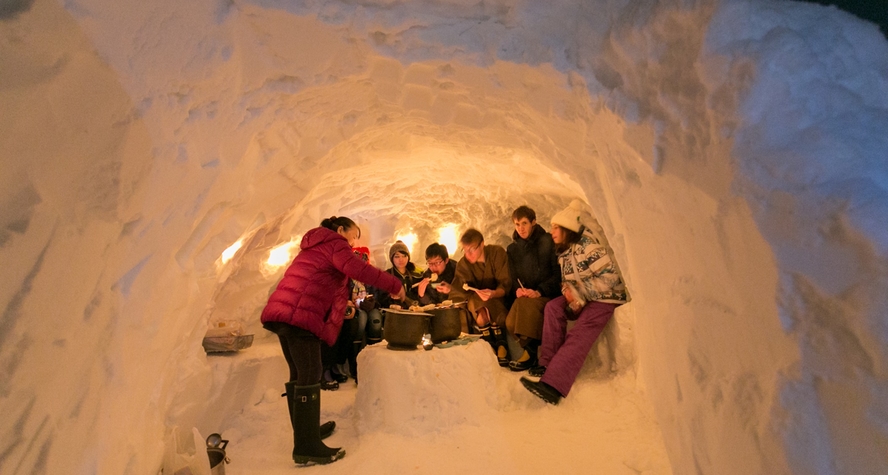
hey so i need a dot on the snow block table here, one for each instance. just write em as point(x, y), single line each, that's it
point(417, 392)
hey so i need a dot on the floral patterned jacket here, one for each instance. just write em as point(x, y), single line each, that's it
point(588, 267)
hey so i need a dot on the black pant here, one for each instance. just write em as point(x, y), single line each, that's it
point(302, 350)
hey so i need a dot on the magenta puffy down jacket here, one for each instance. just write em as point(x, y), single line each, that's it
point(313, 293)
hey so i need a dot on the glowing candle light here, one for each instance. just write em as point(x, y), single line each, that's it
point(227, 254)
point(280, 255)
point(409, 239)
point(448, 236)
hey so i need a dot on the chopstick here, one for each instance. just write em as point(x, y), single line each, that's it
point(519, 283)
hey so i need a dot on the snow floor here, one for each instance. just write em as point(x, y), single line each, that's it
point(604, 426)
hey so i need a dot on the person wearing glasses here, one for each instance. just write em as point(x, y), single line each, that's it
point(443, 268)
point(484, 270)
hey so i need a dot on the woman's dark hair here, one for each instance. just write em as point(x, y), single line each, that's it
point(411, 267)
point(570, 237)
point(333, 223)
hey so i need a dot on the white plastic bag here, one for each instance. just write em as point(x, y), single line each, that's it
point(186, 453)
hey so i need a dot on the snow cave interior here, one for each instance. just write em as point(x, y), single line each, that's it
point(732, 152)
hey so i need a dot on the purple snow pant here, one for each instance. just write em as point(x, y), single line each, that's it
point(564, 352)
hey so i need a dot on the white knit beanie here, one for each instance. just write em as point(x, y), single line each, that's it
point(568, 218)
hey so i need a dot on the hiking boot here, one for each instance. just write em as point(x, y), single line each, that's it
point(542, 390)
point(537, 371)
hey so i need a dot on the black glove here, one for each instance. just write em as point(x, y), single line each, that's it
point(368, 304)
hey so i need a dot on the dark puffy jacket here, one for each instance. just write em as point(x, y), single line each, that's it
point(313, 293)
point(432, 295)
point(533, 260)
point(412, 277)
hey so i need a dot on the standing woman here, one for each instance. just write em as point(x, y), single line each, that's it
point(591, 289)
point(308, 307)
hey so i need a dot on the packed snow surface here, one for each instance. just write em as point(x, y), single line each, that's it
point(732, 153)
point(449, 410)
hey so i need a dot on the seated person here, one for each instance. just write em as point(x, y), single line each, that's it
point(591, 289)
point(333, 357)
point(371, 316)
point(536, 279)
point(406, 272)
point(486, 270)
point(439, 263)
point(352, 336)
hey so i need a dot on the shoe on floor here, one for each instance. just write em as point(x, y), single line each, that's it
point(542, 390)
point(338, 377)
point(502, 356)
point(524, 363)
point(329, 385)
point(537, 371)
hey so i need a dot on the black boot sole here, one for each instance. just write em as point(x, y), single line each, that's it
point(542, 390)
point(306, 459)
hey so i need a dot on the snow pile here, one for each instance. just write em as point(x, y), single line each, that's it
point(733, 153)
point(417, 392)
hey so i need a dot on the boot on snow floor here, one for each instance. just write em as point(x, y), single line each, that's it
point(325, 430)
point(542, 390)
point(307, 445)
point(500, 346)
point(493, 334)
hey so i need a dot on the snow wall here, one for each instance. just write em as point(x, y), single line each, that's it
point(733, 152)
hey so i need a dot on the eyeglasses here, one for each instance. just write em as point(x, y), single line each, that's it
point(436, 262)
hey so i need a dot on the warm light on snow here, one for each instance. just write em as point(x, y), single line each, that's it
point(227, 254)
point(409, 239)
point(280, 255)
point(732, 151)
point(449, 237)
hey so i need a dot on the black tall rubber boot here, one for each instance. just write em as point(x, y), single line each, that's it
point(306, 418)
point(499, 345)
point(487, 336)
point(492, 334)
point(326, 428)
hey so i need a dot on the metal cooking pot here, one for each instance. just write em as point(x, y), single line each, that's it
point(446, 324)
point(403, 329)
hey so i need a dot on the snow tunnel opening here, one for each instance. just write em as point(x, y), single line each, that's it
point(429, 192)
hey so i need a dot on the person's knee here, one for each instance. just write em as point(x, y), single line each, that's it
point(482, 317)
point(362, 321)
